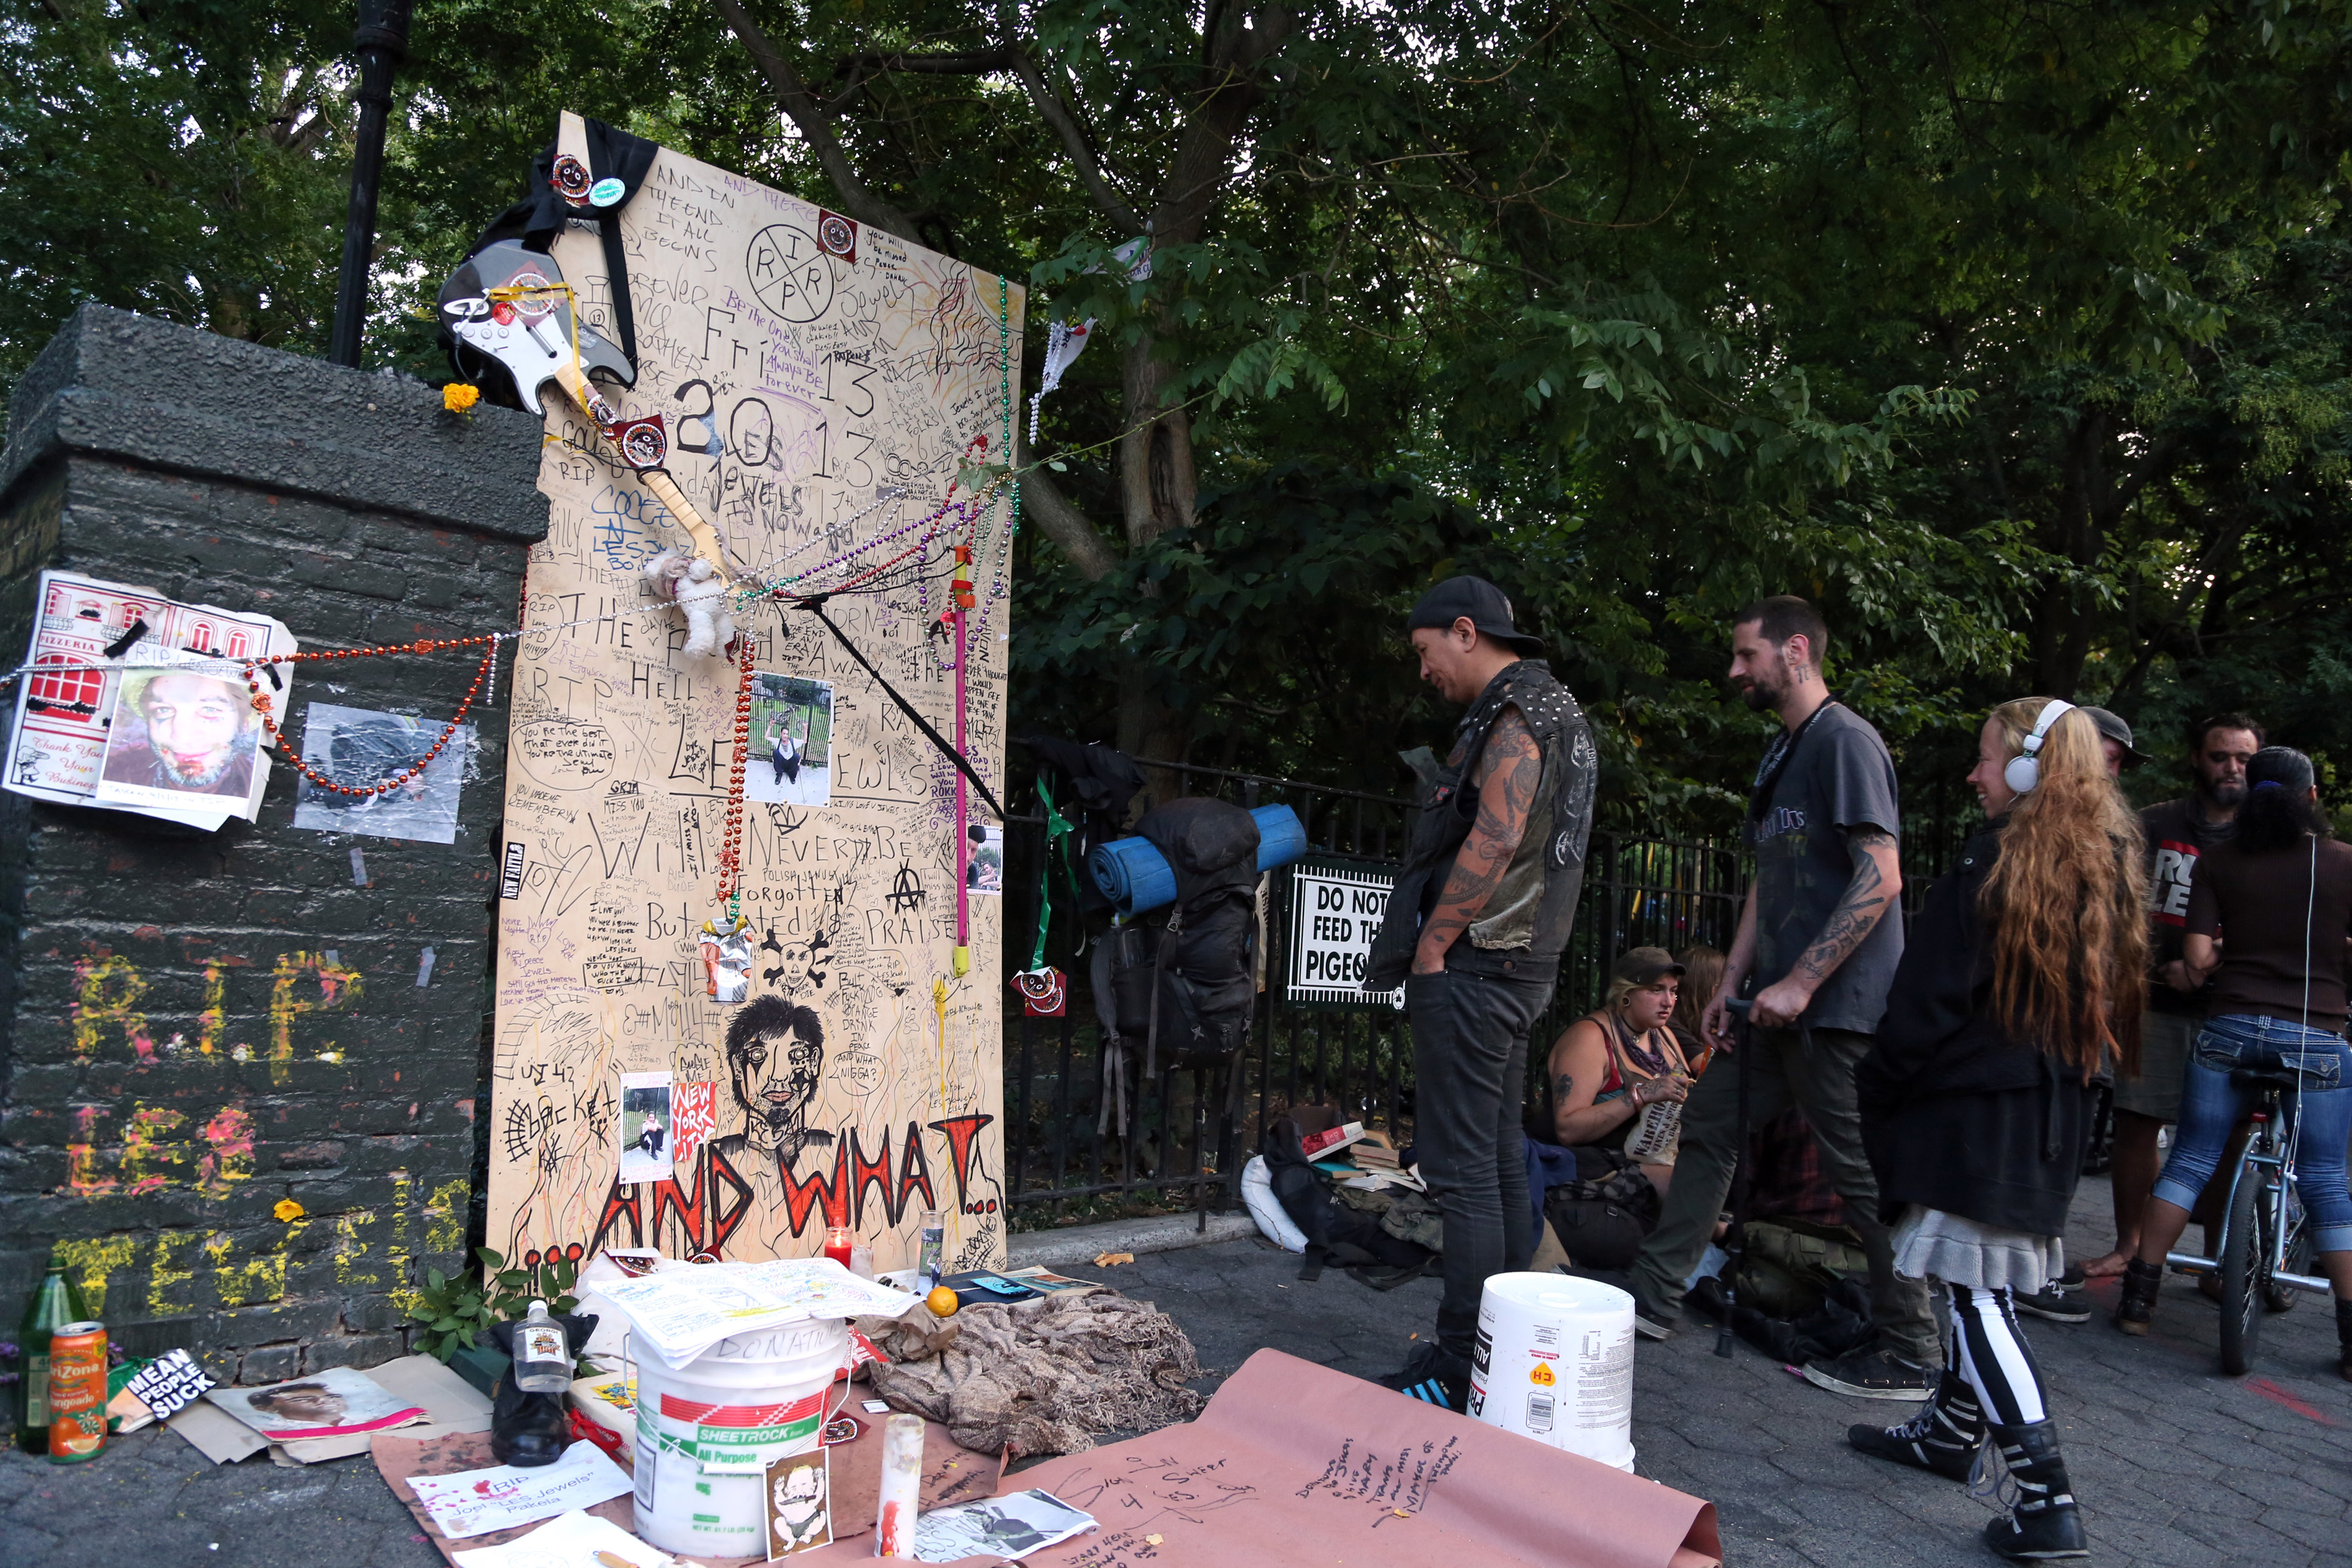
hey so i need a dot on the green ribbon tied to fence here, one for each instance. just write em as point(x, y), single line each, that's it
point(1057, 833)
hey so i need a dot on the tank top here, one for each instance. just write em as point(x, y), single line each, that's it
point(1631, 1056)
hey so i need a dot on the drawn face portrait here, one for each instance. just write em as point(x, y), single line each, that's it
point(798, 1504)
point(775, 1056)
point(192, 724)
point(793, 965)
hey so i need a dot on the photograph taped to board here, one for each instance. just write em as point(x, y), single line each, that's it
point(986, 872)
point(646, 1127)
point(360, 747)
point(791, 742)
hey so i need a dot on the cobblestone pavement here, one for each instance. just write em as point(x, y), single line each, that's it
point(2175, 1463)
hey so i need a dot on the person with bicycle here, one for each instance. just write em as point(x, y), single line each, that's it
point(2024, 972)
point(2269, 915)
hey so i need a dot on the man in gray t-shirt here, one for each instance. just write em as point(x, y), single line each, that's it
point(1820, 936)
point(1835, 781)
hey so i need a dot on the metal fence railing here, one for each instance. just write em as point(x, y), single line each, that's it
point(1190, 1130)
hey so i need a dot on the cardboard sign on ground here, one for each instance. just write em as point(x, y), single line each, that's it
point(950, 1474)
point(1293, 1463)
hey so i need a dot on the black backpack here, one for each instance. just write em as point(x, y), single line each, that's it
point(1336, 1236)
point(1178, 988)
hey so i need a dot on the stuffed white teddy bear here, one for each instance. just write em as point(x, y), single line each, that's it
point(692, 584)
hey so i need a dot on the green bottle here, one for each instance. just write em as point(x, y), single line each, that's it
point(56, 1302)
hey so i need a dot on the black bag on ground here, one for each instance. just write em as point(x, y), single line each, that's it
point(1338, 1236)
point(1602, 1216)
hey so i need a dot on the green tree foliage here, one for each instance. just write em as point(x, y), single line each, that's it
point(2013, 332)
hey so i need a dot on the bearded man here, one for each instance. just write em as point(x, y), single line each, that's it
point(195, 740)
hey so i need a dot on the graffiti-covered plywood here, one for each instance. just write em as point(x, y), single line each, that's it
point(825, 386)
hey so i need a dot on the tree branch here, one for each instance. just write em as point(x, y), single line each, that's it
point(801, 108)
point(1058, 114)
point(1061, 522)
point(972, 62)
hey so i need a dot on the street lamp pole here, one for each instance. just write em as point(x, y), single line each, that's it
point(383, 42)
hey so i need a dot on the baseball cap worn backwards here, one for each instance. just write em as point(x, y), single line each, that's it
point(2111, 727)
point(1647, 965)
point(1486, 605)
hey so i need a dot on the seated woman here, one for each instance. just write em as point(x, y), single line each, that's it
point(1621, 1069)
point(1702, 978)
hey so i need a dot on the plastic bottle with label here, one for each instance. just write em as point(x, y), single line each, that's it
point(56, 1302)
point(542, 1362)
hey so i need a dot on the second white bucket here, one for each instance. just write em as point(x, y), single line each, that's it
point(707, 1431)
point(1555, 1363)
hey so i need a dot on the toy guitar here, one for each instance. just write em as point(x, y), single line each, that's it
point(511, 304)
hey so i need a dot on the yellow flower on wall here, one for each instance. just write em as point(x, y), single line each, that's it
point(288, 1210)
point(459, 398)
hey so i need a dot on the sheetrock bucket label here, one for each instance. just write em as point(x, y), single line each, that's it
point(746, 1438)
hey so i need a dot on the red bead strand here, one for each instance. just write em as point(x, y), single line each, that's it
point(730, 849)
point(429, 644)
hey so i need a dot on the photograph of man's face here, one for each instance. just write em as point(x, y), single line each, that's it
point(195, 724)
point(310, 1404)
point(775, 1058)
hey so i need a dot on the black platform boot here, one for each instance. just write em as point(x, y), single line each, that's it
point(2045, 1523)
point(2136, 1305)
point(1943, 1438)
point(2344, 1336)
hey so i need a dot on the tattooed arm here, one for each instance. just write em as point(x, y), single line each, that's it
point(1579, 1066)
point(1509, 771)
point(1868, 901)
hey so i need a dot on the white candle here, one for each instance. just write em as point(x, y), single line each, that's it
point(902, 1487)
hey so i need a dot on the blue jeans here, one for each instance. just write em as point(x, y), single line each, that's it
point(2209, 1108)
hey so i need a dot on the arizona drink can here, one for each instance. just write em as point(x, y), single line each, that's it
point(76, 1393)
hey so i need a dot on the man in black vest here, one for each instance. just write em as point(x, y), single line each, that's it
point(1820, 934)
point(1474, 932)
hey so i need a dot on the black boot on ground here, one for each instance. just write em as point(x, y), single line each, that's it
point(2344, 1336)
point(2136, 1305)
point(2045, 1524)
point(1943, 1438)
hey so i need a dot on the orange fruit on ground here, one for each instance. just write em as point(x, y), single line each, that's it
point(941, 1301)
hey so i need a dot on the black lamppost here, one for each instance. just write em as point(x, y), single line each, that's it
point(383, 42)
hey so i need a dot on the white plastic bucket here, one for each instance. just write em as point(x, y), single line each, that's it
point(706, 1434)
point(1555, 1363)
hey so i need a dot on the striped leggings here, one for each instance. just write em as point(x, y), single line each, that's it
point(1985, 1348)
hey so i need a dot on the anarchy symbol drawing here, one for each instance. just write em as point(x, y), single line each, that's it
point(905, 894)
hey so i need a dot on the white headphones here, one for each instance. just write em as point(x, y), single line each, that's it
point(2024, 772)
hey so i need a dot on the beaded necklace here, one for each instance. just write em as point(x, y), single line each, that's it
point(731, 844)
point(428, 645)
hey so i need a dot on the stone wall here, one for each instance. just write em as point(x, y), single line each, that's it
point(202, 1033)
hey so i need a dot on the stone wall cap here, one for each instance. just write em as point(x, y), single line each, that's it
point(112, 384)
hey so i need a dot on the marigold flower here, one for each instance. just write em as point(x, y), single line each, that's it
point(288, 1210)
point(459, 398)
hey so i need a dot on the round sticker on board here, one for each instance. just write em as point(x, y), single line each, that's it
point(606, 193)
point(570, 178)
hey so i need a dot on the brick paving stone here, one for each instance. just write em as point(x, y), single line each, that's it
point(2178, 1466)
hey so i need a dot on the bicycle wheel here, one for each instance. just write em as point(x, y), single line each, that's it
point(2245, 1256)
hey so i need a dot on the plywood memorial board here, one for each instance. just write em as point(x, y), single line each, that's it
point(825, 386)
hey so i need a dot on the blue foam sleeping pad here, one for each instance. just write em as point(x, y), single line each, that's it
point(1136, 877)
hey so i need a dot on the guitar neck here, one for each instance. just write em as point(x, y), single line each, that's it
point(663, 489)
point(657, 482)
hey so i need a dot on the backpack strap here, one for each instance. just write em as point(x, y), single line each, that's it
point(1174, 929)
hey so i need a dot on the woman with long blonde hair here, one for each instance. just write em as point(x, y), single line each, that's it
point(2023, 970)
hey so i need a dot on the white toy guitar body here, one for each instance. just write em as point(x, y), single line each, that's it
point(532, 332)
